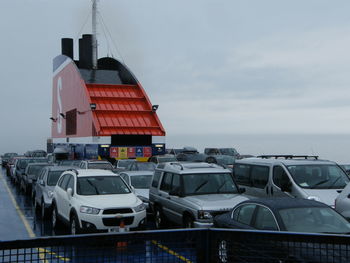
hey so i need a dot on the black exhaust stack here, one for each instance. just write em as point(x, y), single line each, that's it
point(67, 47)
point(85, 52)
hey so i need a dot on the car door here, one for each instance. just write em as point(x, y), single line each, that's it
point(242, 216)
point(164, 198)
point(279, 178)
point(175, 202)
point(61, 196)
point(39, 186)
point(265, 219)
point(67, 204)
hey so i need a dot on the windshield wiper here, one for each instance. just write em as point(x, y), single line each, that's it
point(94, 186)
point(200, 186)
point(320, 182)
point(336, 180)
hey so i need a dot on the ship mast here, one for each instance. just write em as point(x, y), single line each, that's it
point(94, 32)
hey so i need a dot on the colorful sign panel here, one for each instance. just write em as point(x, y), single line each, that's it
point(131, 152)
point(113, 152)
point(147, 152)
point(139, 151)
point(123, 152)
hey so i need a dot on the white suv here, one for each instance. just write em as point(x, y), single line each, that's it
point(94, 200)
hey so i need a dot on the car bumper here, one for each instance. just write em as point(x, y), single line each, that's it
point(111, 222)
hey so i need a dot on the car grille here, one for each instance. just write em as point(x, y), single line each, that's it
point(117, 211)
point(116, 221)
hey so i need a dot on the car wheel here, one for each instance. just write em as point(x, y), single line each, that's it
point(188, 222)
point(43, 210)
point(54, 217)
point(159, 218)
point(74, 225)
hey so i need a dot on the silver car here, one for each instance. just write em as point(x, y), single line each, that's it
point(44, 187)
point(342, 202)
point(191, 194)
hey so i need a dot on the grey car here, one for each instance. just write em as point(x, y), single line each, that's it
point(44, 187)
point(31, 174)
point(191, 194)
point(141, 182)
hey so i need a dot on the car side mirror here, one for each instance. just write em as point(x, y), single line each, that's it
point(286, 187)
point(241, 190)
point(42, 182)
point(70, 192)
point(132, 189)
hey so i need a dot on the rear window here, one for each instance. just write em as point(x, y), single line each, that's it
point(241, 172)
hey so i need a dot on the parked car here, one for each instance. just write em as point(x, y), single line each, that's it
point(141, 182)
point(342, 202)
point(30, 174)
point(122, 164)
point(291, 176)
point(95, 200)
point(21, 165)
point(95, 164)
point(141, 166)
point(44, 187)
point(190, 154)
point(280, 214)
point(162, 158)
point(222, 151)
point(6, 157)
point(191, 194)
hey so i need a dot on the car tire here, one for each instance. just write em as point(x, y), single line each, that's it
point(188, 221)
point(74, 225)
point(54, 218)
point(159, 218)
point(43, 210)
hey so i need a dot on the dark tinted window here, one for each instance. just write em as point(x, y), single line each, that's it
point(176, 182)
point(156, 177)
point(279, 176)
point(245, 214)
point(64, 182)
point(259, 176)
point(242, 174)
point(166, 182)
point(141, 181)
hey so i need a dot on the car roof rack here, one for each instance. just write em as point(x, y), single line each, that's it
point(289, 157)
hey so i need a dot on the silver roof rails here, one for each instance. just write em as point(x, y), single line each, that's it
point(289, 157)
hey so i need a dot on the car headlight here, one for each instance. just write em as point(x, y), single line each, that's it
point(204, 214)
point(50, 194)
point(315, 198)
point(89, 210)
point(140, 207)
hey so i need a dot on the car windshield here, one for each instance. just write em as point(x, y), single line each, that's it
point(167, 159)
point(319, 176)
point(141, 181)
point(101, 185)
point(228, 160)
point(53, 177)
point(104, 166)
point(124, 163)
point(35, 169)
point(209, 183)
point(146, 166)
point(228, 151)
point(314, 220)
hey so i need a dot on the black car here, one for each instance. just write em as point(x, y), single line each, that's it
point(6, 157)
point(280, 214)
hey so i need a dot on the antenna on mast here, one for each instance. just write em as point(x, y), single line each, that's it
point(94, 32)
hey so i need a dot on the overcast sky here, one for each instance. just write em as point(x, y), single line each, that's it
point(220, 67)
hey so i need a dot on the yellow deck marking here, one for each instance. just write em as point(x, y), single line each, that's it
point(28, 228)
point(171, 252)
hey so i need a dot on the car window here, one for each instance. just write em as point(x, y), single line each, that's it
point(259, 176)
point(242, 174)
point(279, 177)
point(176, 182)
point(53, 177)
point(42, 174)
point(65, 181)
point(70, 183)
point(245, 214)
point(166, 182)
point(141, 181)
point(125, 178)
point(156, 177)
point(265, 219)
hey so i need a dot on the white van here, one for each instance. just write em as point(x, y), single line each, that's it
point(299, 176)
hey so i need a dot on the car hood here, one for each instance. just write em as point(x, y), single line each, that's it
point(110, 201)
point(326, 196)
point(216, 201)
point(142, 192)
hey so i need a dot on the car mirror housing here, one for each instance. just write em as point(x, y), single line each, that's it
point(70, 192)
